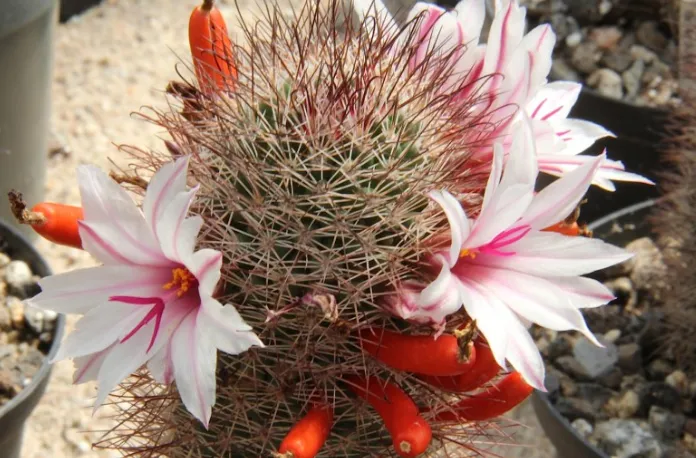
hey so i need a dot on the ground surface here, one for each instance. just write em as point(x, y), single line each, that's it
point(109, 62)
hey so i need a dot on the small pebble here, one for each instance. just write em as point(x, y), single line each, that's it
point(18, 276)
point(606, 38)
point(658, 369)
point(585, 57)
point(625, 406)
point(630, 358)
point(648, 34)
point(639, 52)
point(612, 335)
point(632, 78)
point(679, 381)
point(16, 308)
point(607, 82)
point(573, 39)
point(4, 260)
point(583, 427)
point(668, 425)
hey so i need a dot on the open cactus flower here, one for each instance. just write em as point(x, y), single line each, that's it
point(343, 247)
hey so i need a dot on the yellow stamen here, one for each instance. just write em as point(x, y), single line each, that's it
point(181, 278)
point(466, 253)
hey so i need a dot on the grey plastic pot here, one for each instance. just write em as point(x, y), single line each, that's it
point(617, 228)
point(14, 414)
point(26, 62)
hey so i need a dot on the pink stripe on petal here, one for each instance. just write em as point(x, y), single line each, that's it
point(101, 243)
point(156, 312)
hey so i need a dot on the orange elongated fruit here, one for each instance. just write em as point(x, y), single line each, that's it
point(483, 370)
point(410, 433)
point(307, 437)
point(418, 354)
point(61, 224)
point(496, 400)
point(211, 48)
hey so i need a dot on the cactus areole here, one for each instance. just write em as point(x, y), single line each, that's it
point(341, 249)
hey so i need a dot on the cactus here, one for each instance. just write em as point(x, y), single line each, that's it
point(314, 175)
point(673, 220)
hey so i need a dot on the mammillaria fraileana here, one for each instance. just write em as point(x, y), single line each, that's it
point(368, 190)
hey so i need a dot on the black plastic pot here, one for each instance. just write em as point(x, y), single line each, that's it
point(70, 8)
point(617, 228)
point(14, 414)
point(26, 61)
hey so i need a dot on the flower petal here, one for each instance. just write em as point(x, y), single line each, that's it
point(507, 336)
point(558, 200)
point(533, 298)
point(458, 222)
point(165, 185)
point(226, 327)
point(194, 358)
point(539, 42)
point(205, 265)
point(578, 135)
point(126, 357)
point(115, 221)
point(554, 255)
point(87, 367)
point(374, 8)
point(100, 328)
point(583, 292)
point(472, 14)
point(172, 231)
point(553, 101)
point(439, 299)
point(504, 36)
point(515, 191)
point(160, 365)
point(81, 290)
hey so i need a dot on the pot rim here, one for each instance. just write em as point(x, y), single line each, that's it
point(39, 267)
point(545, 403)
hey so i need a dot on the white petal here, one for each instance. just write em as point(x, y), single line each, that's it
point(439, 299)
point(534, 299)
point(126, 357)
point(504, 36)
point(79, 291)
point(115, 221)
point(172, 233)
point(583, 292)
point(226, 327)
point(578, 135)
point(508, 338)
point(375, 8)
point(558, 200)
point(194, 357)
point(515, 191)
point(87, 367)
point(553, 101)
point(205, 266)
point(555, 255)
point(458, 222)
point(160, 365)
point(166, 183)
point(471, 13)
point(100, 328)
point(540, 42)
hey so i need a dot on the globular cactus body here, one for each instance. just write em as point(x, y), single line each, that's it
point(314, 175)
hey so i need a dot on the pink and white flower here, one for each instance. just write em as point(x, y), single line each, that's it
point(505, 270)
point(151, 302)
point(506, 77)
